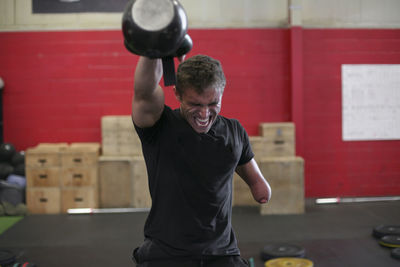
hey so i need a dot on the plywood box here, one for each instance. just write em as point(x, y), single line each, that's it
point(117, 122)
point(43, 200)
point(79, 176)
point(276, 139)
point(44, 156)
point(43, 177)
point(52, 145)
point(115, 182)
point(119, 137)
point(264, 147)
point(286, 178)
point(123, 182)
point(277, 130)
point(141, 194)
point(120, 144)
point(80, 155)
point(79, 197)
point(90, 145)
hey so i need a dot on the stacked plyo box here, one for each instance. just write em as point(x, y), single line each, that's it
point(274, 151)
point(43, 172)
point(122, 170)
point(79, 176)
point(119, 137)
point(61, 177)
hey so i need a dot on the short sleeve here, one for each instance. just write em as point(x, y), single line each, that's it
point(149, 134)
point(247, 152)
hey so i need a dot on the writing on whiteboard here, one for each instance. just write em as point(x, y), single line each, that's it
point(370, 102)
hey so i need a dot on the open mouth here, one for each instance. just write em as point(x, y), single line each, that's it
point(202, 122)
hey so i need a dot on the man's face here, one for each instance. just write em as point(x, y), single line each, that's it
point(201, 111)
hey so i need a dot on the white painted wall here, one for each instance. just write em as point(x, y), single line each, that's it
point(16, 15)
point(236, 13)
point(351, 13)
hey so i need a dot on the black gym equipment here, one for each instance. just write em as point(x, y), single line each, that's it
point(9, 259)
point(395, 253)
point(157, 29)
point(18, 158)
point(7, 151)
point(19, 169)
point(5, 170)
point(25, 264)
point(279, 250)
point(383, 230)
point(391, 241)
point(6, 257)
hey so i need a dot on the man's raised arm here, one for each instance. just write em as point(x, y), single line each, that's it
point(148, 100)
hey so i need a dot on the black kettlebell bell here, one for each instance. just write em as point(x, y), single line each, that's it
point(157, 29)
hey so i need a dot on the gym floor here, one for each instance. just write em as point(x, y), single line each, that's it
point(335, 235)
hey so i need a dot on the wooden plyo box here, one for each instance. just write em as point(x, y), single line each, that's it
point(63, 176)
point(43, 166)
point(275, 140)
point(286, 178)
point(123, 182)
point(43, 177)
point(43, 156)
point(80, 155)
point(277, 130)
point(43, 200)
point(79, 165)
point(79, 176)
point(264, 147)
point(141, 194)
point(119, 137)
point(79, 197)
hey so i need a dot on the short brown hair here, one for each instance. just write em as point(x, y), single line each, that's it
point(199, 73)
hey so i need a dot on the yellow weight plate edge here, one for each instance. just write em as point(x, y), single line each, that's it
point(291, 260)
point(389, 245)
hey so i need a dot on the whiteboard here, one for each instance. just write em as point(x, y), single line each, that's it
point(370, 102)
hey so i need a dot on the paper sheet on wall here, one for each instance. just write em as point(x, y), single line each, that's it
point(371, 102)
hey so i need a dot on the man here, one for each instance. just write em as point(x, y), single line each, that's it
point(191, 154)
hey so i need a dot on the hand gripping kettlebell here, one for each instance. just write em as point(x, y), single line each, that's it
point(157, 29)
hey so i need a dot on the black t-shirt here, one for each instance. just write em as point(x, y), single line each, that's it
point(190, 181)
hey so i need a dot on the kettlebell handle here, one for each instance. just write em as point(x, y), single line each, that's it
point(168, 61)
point(168, 71)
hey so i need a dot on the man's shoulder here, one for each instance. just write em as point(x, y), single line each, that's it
point(231, 125)
point(168, 112)
point(229, 121)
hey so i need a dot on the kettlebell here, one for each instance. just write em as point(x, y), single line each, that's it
point(157, 29)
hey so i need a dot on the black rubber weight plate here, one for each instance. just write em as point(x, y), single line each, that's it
point(395, 253)
point(382, 230)
point(279, 250)
point(391, 241)
point(6, 257)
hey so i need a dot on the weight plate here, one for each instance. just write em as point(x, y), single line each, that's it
point(395, 253)
point(391, 241)
point(6, 257)
point(382, 230)
point(289, 262)
point(279, 250)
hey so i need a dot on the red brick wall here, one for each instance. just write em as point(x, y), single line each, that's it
point(59, 84)
point(334, 167)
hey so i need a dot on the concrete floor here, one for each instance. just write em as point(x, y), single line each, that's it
point(337, 235)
